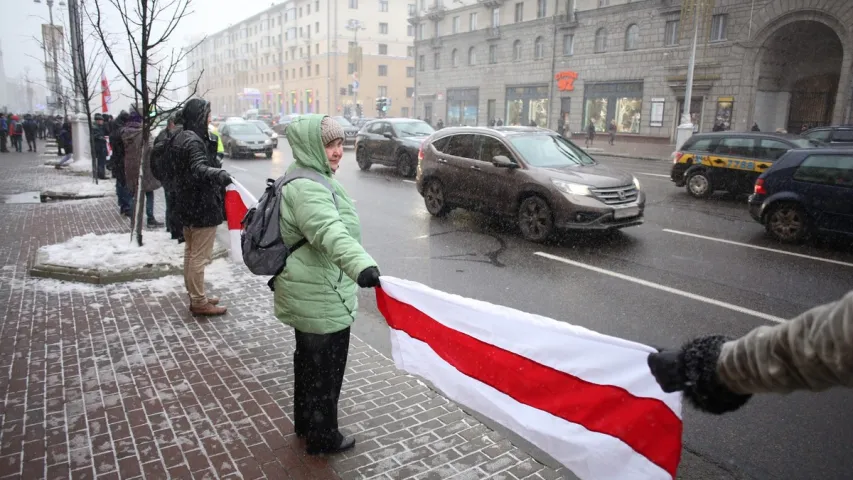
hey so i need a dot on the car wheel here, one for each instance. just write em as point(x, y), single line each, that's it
point(787, 223)
point(405, 166)
point(362, 159)
point(268, 153)
point(699, 184)
point(434, 198)
point(535, 219)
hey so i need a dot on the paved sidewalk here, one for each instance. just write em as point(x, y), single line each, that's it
point(628, 149)
point(119, 381)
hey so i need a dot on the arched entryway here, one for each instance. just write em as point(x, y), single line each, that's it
point(799, 69)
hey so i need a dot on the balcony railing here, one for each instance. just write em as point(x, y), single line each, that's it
point(493, 33)
point(436, 42)
point(436, 12)
point(491, 3)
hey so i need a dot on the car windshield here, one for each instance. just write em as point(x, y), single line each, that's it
point(807, 142)
point(549, 151)
point(343, 121)
point(243, 129)
point(413, 129)
point(260, 124)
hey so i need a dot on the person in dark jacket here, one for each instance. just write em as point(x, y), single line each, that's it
point(117, 163)
point(134, 158)
point(65, 143)
point(4, 132)
point(159, 157)
point(16, 132)
point(100, 140)
point(30, 131)
point(200, 203)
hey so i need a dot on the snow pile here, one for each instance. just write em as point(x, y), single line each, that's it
point(82, 189)
point(115, 252)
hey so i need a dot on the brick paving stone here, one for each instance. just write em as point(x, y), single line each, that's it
point(119, 381)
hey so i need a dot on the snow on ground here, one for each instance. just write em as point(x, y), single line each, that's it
point(82, 165)
point(115, 252)
point(84, 188)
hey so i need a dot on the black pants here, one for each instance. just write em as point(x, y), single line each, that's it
point(31, 143)
point(318, 364)
point(3, 136)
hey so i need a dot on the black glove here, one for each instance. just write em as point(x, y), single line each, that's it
point(368, 278)
point(693, 369)
point(220, 155)
point(224, 178)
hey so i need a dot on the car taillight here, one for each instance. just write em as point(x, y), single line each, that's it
point(421, 153)
point(759, 187)
point(676, 156)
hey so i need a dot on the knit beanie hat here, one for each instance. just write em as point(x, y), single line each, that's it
point(330, 130)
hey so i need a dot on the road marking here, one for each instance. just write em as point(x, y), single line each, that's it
point(732, 242)
point(410, 181)
point(664, 288)
point(652, 174)
point(237, 168)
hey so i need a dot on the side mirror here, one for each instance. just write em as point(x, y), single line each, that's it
point(502, 161)
point(388, 135)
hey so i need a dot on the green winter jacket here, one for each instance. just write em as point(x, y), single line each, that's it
point(316, 292)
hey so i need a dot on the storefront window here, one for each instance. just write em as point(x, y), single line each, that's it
point(462, 107)
point(513, 111)
point(596, 113)
point(628, 115)
point(723, 118)
point(527, 105)
point(539, 112)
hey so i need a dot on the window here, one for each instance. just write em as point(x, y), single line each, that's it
point(410, 51)
point(491, 147)
point(454, 58)
point(568, 45)
point(827, 170)
point(383, 70)
point(383, 28)
point(519, 12)
point(383, 5)
point(601, 40)
point(413, 9)
point(632, 37)
point(841, 135)
point(353, 3)
point(350, 68)
point(541, 8)
point(436, 30)
point(493, 54)
point(410, 92)
point(422, 62)
point(317, 70)
point(383, 49)
point(382, 91)
point(718, 27)
point(703, 145)
point(496, 17)
point(538, 48)
point(316, 27)
point(670, 33)
point(516, 50)
point(317, 5)
point(455, 26)
point(308, 12)
point(404, 111)
point(436, 60)
point(603, 3)
point(410, 72)
point(462, 146)
point(472, 22)
point(410, 30)
point(420, 31)
point(819, 135)
point(737, 146)
point(472, 56)
point(772, 149)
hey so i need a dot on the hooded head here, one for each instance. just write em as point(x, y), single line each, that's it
point(305, 136)
point(195, 114)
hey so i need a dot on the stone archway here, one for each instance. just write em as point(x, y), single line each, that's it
point(799, 67)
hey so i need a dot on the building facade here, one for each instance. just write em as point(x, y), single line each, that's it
point(310, 56)
point(775, 63)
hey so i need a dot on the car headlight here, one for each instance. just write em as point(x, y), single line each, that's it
point(274, 135)
point(242, 143)
point(268, 142)
point(636, 183)
point(573, 188)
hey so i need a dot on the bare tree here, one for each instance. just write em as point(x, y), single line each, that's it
point(147, 27)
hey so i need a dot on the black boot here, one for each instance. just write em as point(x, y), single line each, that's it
point(346, 443)
point(152, 222)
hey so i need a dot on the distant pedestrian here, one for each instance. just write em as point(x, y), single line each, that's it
point(16, 133)
point(440, 124)
point(611, 129)
point(131, 136)
point(500, 122)
point(718, 127)
point(123, 195)
point(65, 144)
point(755, 127)
point(533, 123)
point(4, 132)
point(804, 128)
point(99, 138)
point(30, 131)
point(590, 134)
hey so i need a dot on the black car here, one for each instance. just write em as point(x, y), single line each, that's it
point(350, 131)
point(394, 142)
point(838, 136)
point(806, 191)
point(244, 138)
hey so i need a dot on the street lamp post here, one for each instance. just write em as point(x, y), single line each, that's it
point(354, 26)
point(53, 47)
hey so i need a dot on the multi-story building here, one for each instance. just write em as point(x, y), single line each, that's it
point(777, 63)
point(304, 56)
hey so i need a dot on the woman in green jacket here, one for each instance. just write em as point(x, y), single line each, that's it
point(316, 292)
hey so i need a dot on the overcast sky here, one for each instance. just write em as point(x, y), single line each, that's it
point(18, 25)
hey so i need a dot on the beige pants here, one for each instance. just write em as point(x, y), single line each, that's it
point(198, 248)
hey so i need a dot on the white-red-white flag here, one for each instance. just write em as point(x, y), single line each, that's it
point(587, 399)
point(238, 201)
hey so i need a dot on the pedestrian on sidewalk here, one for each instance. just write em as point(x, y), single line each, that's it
point(4, 132)
point(200, 203)
point(124, 198)
point(131, 136)
point(159, 168)
point(30, 131)
point(65, 144)
point(321, 311)
point(99, 138)
point(16, 133)
point(612, 130)
point(590, 134)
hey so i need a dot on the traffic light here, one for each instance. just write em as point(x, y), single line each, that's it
point(382, 104)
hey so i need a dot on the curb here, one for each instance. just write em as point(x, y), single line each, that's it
point(603, 153)
point(40, 269)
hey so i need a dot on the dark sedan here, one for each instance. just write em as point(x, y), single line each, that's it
point(267, 130)
point(394, 142)
point(283, 122)
point(350, 131)
point(244, 138)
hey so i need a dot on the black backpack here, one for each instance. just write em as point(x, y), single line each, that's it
point(264, 251)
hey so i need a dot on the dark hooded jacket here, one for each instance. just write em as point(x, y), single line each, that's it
point(117, 144)
point(134, 154)
point(191, 162)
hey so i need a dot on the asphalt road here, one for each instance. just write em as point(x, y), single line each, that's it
point(701, 251)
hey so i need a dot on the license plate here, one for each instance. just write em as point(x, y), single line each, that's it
point(626, 212)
